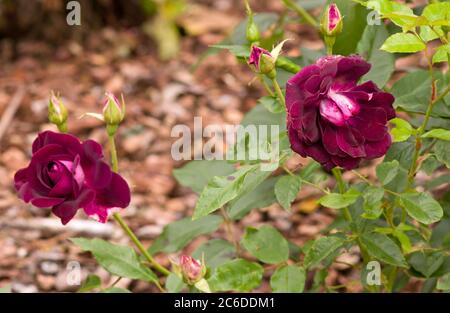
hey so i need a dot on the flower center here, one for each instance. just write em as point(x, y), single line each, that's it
point(338, 107)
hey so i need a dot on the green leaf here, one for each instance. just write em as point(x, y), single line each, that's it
point(289, 279)
point(444, 282)
point(421, 207)
point(401, 152)
point(215, 252)
point(372, 202)
point(388, 8)
point(5, 289)
point(286, 190)
point(405, 242)
point(240, 51)
point(266, 244)
point(355, 21)
point(116, 290)
point(402, 42)
point(118, 260)
point(383, 248)
point(220, 190)
point(272, 104)
point(261, 197)
point(434, 12)
point(426, 263)
point(438, 133)
point(402, 131)
point(177, 235)
point(416, 99)
point(174, 284)
point(196, 174)
point(236, 275)
point(381, 61)
point(442, 152)
point(339, 201)
point(321, 249)
point(91, 282)
point(387, 171)
point(441, 54)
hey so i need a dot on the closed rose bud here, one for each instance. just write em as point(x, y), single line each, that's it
point(113, 111)
point(252, 29)
point(57, 112)
point(191, 269)
point(332, 21)
point(262, 61)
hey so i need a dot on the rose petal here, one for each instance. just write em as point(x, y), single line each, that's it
point(70, 143)
point(376, 149)
point(350, 141)
point(97, 173)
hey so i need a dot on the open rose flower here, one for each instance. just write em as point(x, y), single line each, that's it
point(67, 174)
point(333, 119)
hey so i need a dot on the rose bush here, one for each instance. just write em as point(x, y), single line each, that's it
point(333, 119)
point(67, 174)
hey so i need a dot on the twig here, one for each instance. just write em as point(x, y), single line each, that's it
point(11, 110)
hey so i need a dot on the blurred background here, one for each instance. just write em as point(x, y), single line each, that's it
point(155, 52)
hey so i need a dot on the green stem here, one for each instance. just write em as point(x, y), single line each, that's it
point(266, 87)
point(121, 222)
point(302, 12)
point(62, 127)
point(229, 230)
point(278, 91)
point(304, 180)
point(341, 186)
point(139, 245)
point(113, 151)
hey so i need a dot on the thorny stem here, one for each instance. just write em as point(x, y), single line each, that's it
point(433, 100)
point(302, 12)
point(124, 226)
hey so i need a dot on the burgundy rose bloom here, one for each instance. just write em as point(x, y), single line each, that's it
point(333, 119)
point(66, 174)
point(255, 56)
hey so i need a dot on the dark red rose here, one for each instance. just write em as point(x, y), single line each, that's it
point(333, 119)
point(67, 174)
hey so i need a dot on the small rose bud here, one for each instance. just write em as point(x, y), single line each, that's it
point(191, 269)
point(332, 21)
point(252, 29)
point(57, 112)
point(262, 61)
point(113, 111)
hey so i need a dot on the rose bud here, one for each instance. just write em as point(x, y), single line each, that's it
point(67, 174)
point(252, 31)
point(57, 112)
point(113, 111)
point(256, 60)
point(332, 21)
point(333, 119)
point(191, 269)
